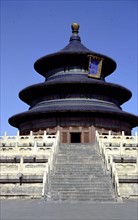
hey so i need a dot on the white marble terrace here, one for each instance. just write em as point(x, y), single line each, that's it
point(27, 159)
point(120, 154)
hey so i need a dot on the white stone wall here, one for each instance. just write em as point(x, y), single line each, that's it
point(24, 160)
point(120, 154)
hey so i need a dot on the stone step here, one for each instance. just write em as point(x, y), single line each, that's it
point(78, 171)
point(84, 156)
point(79, 174)
point(75, 145)
point(78, 160)
point(86, 184)
point(80, 177)
point(97, 165)
point(79, 166)
point(75, 182)
point(79, 192)
point(81, 148)
point(105, 191)
point(75, 154)
point(83, 171)
point(82, 190)
point(71, 164)
point(67, 167)
point(75, 176)
point(79, 163)
point(87, 170)
point(80, 183)
point(93, 179)
point(86, 187)
point(78, 148)
point(83, 197)
point(79, 151)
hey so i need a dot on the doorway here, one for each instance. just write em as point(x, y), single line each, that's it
point(75, 137)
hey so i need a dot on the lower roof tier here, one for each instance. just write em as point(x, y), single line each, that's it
point(77, 85)
point(82, 107)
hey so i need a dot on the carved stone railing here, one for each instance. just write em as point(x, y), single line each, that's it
point(29, 145)
point(22, 146)
point(24, 168)
point(111, 145)
point(119, 146)
point(49, 168)
point(115, 179)
point(26, 140)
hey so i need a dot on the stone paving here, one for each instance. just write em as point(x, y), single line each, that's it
point(29, 209)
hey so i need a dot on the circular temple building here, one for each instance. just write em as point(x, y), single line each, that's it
point(75, 98)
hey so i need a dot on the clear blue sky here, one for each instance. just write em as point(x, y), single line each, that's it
point(31, 29)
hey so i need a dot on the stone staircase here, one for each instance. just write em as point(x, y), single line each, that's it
point(79, 175)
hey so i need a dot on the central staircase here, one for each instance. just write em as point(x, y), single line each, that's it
point(79, 174)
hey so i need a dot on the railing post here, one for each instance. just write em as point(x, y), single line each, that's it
point(20, 167)
point(137, 163)
point(18, 133)
point(16, 148)
point(5, 133)
point(109, 133)
point(136, 137)
point(111, 162)
point(18, 136)
point(123, 136)
point(96, 134)
point(49, 166)
point(121, 147)
point(35, 148)
point(115, 179)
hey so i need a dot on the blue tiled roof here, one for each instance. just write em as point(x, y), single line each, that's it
point(75, 53)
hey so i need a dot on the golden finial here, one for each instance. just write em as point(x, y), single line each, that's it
point(75, 28)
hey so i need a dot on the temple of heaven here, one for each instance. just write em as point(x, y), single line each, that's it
point(75, 98)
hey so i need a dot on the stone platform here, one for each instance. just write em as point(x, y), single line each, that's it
point(27, 209)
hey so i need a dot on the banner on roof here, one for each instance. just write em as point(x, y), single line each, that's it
point(95, 66)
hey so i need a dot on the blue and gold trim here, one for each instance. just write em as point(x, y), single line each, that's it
point(95, 66)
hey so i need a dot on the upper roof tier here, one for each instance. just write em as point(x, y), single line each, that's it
point(74, 54)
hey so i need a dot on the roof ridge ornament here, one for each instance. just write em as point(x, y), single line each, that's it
point(75, 30)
